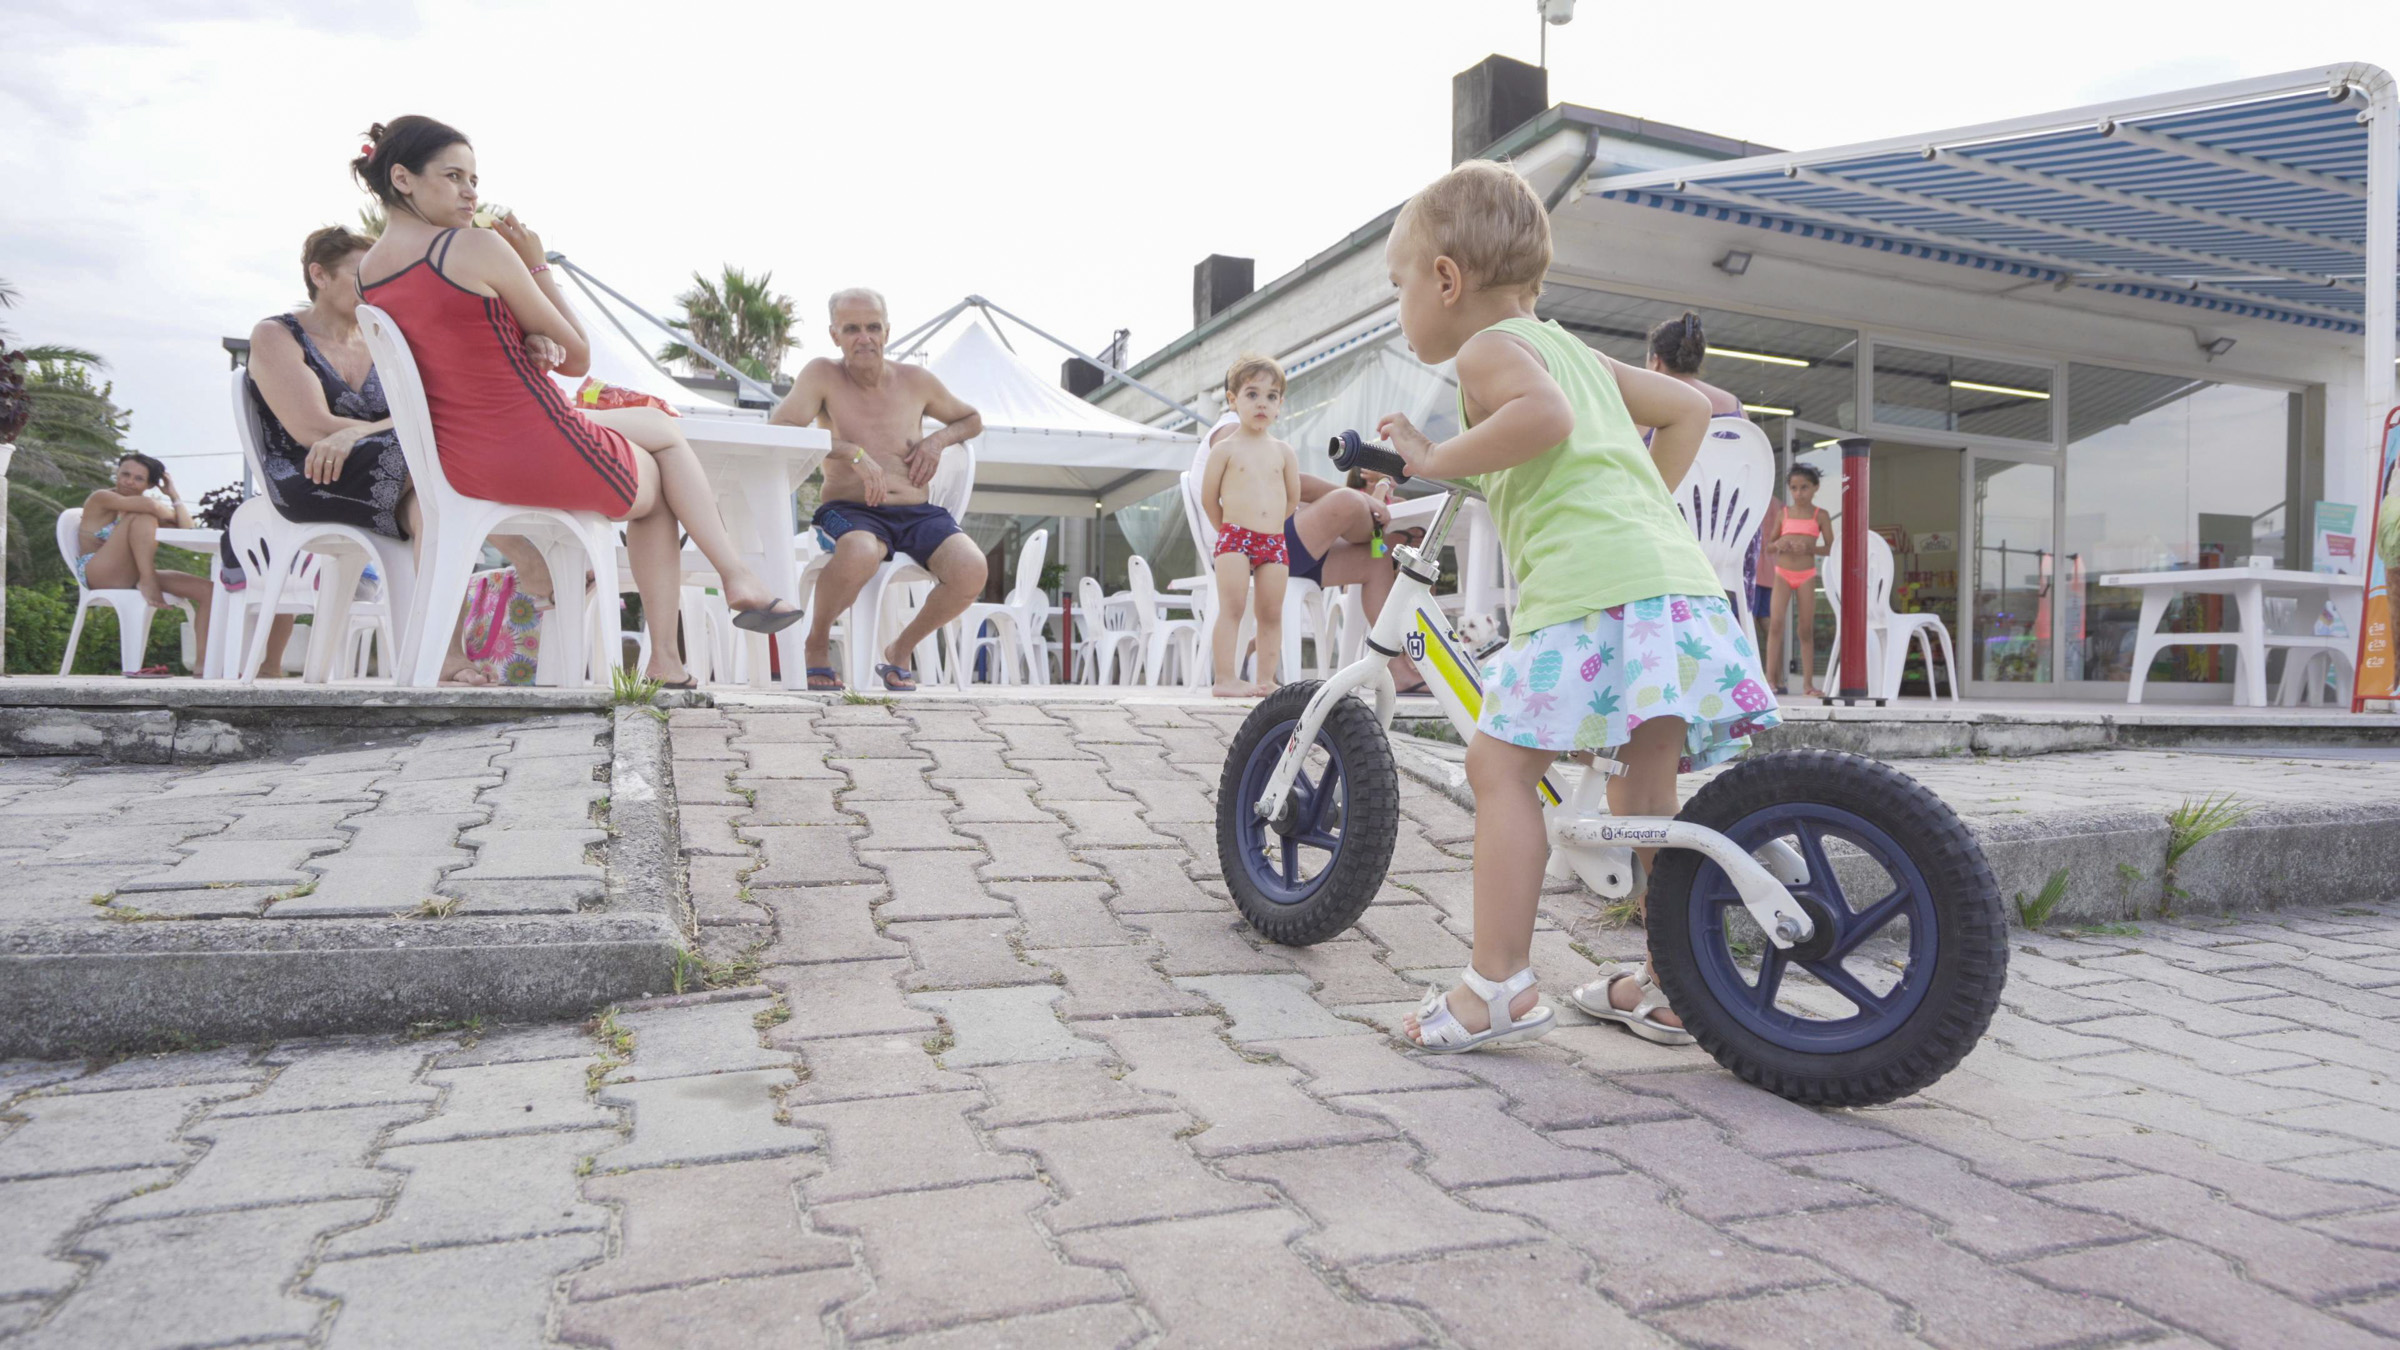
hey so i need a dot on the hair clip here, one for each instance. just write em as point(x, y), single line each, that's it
point(366, 149)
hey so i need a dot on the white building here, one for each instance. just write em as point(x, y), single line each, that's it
point(2147, 335)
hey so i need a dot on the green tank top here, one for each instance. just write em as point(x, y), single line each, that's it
point(1588, 524)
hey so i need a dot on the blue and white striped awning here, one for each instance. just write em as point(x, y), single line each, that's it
point(2247, 200)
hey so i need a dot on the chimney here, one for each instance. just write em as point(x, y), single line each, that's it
point(1491, 99)
point(1217, 282)
point(1080, 377)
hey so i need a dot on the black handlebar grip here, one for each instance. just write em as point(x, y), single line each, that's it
point(1352, 451)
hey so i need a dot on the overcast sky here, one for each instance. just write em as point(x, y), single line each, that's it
point(162, 159)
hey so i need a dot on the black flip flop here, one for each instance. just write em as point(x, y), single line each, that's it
point(768, 620)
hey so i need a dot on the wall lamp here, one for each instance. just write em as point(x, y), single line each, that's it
point(2216, 347)
point(1734, 263)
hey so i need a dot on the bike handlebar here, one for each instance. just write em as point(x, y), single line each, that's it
point(1353, 451)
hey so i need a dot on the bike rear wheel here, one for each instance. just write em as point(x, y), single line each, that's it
point(1910, 952)
point(1307, 875)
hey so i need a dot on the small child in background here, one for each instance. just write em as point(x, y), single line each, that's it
point(1622, 640)
point(1250, 486)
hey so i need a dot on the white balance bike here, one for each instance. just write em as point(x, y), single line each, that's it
point(1823, 924)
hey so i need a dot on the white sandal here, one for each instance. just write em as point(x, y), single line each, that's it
point(1642, 1018)
point(1439, 1032)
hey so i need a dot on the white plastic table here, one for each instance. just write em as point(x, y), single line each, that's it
point(200, 539)
point(756, 466)
point(1482, 582)
point(2249, 588)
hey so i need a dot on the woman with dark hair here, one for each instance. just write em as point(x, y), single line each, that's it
point(1679, 348)
point(487, 324)
point(117, 546)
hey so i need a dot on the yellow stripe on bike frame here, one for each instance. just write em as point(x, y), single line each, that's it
point(1458, 674)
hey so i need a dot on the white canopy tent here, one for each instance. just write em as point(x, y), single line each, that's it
point(1045, 452)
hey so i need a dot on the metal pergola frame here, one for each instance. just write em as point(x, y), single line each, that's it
point(2248, 230)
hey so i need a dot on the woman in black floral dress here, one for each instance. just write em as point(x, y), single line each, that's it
point(330, 453)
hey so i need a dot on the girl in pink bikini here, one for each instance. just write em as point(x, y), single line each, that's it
point(1797, 535)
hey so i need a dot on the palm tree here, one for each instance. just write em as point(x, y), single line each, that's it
point(72, 432)
point(738, 319)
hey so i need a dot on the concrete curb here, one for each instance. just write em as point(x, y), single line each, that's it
point(211, 722)
point(2116, 860)
point(75, 988)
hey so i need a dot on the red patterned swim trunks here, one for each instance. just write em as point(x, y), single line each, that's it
point(1260, 548)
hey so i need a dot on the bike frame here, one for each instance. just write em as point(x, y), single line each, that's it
point(1598, 846)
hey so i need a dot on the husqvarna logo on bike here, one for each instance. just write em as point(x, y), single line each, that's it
point(1416, 646)
point(1620, 834)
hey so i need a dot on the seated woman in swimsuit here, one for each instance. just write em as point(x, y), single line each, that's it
point(117, 548)
point(329, 455)
point(1796, 536)
point(487, 323)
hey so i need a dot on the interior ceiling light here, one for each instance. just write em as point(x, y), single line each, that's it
point(1764, 411)
point(1831, 440)
point(1734, 263)
point(1740, 355)
point(2009, 390)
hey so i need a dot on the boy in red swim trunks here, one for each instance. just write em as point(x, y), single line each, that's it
point(1250, 485)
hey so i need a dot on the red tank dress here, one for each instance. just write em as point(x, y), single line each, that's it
point(505, 432)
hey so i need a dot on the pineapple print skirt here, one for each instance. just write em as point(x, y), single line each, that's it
point(1587, 683)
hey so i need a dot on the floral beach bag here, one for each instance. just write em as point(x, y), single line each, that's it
point(503, 638)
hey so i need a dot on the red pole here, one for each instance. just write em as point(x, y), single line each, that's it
point(1854, 568)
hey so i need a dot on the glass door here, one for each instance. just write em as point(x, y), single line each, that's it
point(2011, 510)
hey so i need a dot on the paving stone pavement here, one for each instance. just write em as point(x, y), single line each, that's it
point(493, 818)
point(996, 1086)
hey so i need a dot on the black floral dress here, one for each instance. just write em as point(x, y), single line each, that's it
point(374, 479)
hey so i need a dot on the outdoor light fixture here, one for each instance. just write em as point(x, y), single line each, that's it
point(1828, 441)
point(1740, 355)
point(1734, 263)
point(2009, 390)
point(2216, 347)
point(1764, 411)
point(1556, 11)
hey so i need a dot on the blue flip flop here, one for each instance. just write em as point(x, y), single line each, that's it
point(896, 679)
point(832, 680)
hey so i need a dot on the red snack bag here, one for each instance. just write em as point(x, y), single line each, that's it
point(596, 395)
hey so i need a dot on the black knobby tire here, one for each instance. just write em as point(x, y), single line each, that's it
point(1955, 896)
point(1324, 905)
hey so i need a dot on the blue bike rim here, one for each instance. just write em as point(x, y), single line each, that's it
point(1751, 1002)
point(1287, 870)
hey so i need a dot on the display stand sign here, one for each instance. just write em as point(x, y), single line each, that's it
point(2378, 674)
point(2337, 537)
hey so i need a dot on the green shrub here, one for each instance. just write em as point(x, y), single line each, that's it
point(40, 616)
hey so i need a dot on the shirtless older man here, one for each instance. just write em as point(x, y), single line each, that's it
point(874, 501)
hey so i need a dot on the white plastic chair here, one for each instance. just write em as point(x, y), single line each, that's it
point(862, 642)
point(133, 612)
point(1104, 652)
point(1724, 498)
point(1890, 634)
point(1167, 644)
point(1016, 644)
point(342, 628)
point(456, 525)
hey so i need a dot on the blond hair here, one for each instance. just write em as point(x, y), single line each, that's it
point(1248, 365)
point(1484, 217)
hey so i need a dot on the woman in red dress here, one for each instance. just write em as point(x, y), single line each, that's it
point(486, 323)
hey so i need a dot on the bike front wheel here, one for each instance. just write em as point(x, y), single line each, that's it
point(1308, 874)
point(1905, 966)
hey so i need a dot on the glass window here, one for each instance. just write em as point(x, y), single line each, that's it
point(1778, 368)
point(2164, 473)
point(1935, 391)
point(2013, 565)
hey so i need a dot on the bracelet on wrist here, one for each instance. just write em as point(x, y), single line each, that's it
point(538, 268)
